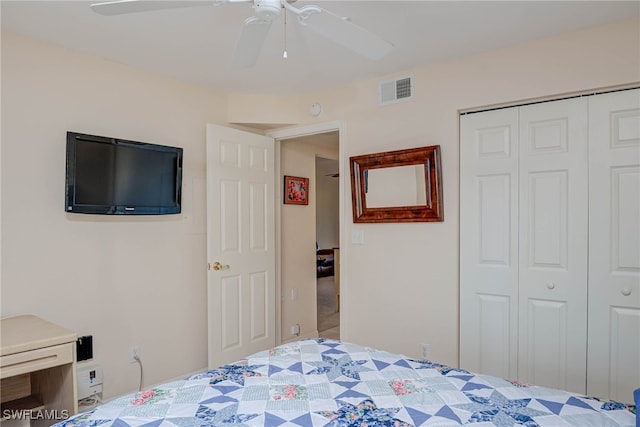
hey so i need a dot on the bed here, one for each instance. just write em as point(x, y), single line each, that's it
point(320, 382)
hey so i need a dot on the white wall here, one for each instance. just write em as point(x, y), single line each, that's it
point(126, 281)
point(141, 280)
point(401, 286)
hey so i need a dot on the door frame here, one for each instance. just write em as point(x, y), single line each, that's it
point(295, 132)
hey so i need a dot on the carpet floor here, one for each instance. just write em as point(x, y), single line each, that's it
point(328, 317)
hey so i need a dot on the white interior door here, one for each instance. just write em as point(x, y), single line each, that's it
point(240, 244)
point(614, 246)
point(489, 242)
point(553, 244)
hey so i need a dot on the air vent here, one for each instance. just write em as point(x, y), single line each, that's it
point(395, 90)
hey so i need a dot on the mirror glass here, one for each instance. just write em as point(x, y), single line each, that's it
point(395, 186)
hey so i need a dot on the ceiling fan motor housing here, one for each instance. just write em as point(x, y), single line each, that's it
point(267, 9)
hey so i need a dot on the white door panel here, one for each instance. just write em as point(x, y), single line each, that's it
point(614, 249)
point(240, 237)
point(557, 186)
point(553, 244)
point(546, 343)
point(488, 241)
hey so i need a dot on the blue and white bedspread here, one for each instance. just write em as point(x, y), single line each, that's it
point(331, 383)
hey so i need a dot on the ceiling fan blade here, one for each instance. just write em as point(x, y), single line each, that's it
point(344, 32)
point(121, 7)
point(254, 32)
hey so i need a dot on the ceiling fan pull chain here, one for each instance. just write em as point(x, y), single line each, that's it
point(284, 54)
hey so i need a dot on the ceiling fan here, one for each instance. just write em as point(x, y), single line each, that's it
point(327, 24)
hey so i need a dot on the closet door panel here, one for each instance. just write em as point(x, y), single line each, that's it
point(488, 242)
point(547, 324)
point(553, 244)
point(614, 247)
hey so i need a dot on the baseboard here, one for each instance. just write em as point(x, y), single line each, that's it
point(313, 334)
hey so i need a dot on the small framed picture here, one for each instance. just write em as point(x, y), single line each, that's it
point(296, 190)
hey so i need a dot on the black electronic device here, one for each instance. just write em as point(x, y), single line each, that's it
point(84, 348)
point(115, 176)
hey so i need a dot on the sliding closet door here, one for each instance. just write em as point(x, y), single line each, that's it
point(488, 242)
point(614, 247)
point(553, 244)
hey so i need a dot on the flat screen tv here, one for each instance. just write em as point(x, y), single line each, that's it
point(113, 176)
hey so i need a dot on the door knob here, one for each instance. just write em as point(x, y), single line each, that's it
point(217, 266)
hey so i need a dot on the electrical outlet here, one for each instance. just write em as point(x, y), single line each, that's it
point(134, 355)
point(425, 350)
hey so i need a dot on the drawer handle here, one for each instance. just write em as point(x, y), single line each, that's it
point(551, 285)
point(626, 292)
point(45, 359)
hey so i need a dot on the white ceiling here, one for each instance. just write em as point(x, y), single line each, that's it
point(196, 44)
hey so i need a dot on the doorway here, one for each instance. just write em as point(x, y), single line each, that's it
point(328, 247)
point(296, 150)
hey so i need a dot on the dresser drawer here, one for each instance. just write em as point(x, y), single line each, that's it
point(35, 360)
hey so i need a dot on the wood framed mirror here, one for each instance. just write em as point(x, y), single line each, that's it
point(397, 186)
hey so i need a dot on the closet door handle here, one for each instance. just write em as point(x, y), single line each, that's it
point(626, 292)
point(551, 285)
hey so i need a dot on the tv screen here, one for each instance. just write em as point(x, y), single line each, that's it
point(115, 176)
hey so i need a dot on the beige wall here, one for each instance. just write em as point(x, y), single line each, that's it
point(327, 204)
point(127, 281)
point(140, 281)
point(409, 272)
point(298, 244)
point(401, 286)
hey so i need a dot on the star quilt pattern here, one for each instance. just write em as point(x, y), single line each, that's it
point(318, 382)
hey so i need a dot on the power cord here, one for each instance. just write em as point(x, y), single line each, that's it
point(90, 402)
point(137, 359)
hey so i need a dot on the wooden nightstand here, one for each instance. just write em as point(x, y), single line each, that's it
point(37, 370)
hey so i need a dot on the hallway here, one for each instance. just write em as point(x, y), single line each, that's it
point(328, 317)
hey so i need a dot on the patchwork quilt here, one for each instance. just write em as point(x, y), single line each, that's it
point(321, 382)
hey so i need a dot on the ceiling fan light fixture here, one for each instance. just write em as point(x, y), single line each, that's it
point(267, 9)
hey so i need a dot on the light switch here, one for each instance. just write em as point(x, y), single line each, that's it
point(357, 237)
